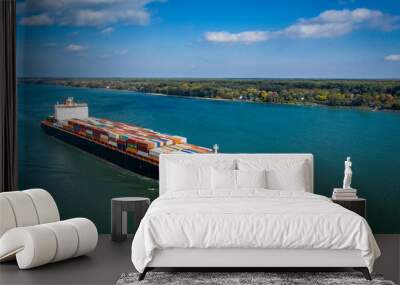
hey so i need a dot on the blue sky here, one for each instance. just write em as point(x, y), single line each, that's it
point(178, 38)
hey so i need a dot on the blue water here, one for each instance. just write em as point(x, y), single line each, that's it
point(83, 184)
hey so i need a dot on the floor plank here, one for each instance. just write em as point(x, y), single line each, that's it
point(389, 262)
point(103, 266)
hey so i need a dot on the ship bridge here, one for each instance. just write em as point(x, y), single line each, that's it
point(71, 110)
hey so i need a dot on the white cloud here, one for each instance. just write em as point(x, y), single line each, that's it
point(334, 23)
point(108, 30)
point(97, 18)
point(243, 37)
point(96, 13)
point(392, 57)
point(317, 30)
point(328, 24)
point(75, 48)
point(121, 52)
point(37, 20)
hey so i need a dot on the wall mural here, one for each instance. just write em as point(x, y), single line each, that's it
point(105, 87)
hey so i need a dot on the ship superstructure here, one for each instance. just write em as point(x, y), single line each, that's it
point(71, 110)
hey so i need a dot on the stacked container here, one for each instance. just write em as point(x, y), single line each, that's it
point(130, 139)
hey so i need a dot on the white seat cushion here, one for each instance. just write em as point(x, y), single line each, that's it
point(45, 205)
point(87, 234)
point(37, 245)
point(67, 240)
point(23, 208)
point(33, 246)
point(7, 220)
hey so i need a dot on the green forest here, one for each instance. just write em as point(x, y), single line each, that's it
point(375, 94)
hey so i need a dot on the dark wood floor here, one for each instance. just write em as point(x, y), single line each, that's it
point(103, 266)
point(110, 260)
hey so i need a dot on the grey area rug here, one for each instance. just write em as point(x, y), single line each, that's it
point(228, 278)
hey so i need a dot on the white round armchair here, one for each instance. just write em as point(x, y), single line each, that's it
point(31, 230)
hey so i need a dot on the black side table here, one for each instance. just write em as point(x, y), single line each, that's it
point(358, 206)
point(119, 209)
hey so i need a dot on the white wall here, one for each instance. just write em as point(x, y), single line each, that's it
point(75, 112)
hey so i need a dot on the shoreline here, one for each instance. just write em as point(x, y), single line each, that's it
point(358, 108)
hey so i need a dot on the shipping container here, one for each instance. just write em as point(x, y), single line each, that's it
point(131, 150)
point(112, 143)
point(142, 153)
point(131, 139)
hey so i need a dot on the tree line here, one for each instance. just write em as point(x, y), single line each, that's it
point(379, 94)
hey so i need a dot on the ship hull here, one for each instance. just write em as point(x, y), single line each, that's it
point(109, 154)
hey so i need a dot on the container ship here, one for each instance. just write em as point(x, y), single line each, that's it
point(129, 146)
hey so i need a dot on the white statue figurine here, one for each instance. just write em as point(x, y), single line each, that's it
point(348, 173)
point(215, 148)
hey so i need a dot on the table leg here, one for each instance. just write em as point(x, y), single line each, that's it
point(124, 224)
point(116, 222)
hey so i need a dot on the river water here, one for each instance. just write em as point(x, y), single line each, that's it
point(83, 184)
